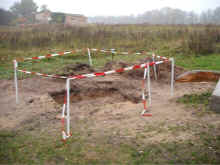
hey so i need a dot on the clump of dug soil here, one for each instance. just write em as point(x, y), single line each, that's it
point(77, 69)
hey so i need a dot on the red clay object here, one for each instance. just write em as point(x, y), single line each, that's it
point(147, 115)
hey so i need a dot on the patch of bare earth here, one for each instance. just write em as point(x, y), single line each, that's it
point(105, 106)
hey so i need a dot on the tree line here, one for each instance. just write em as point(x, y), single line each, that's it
point(165, 15)
point(24, 11)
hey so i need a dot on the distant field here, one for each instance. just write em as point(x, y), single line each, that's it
point(194, 47)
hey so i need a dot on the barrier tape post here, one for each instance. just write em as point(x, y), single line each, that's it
point(145, 112)
point(90, 59)
point(143, 88)
point(172, 75)
point(155, 69)
point(143, 92)
point(68, 107)
point(63, 122)
point(148, 83)
point(16, 80)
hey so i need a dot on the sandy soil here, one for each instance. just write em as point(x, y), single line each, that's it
point(102, 106)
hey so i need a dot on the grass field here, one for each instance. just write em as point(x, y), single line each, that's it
point(193, 47)
point(208, 62)
point(26, 149)
point(56, 64)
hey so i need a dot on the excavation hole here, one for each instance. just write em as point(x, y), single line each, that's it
point(99, 95)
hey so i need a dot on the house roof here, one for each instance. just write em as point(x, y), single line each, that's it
point(75, 15)
point(69, 14)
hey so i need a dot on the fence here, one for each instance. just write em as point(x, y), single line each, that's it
point(66, 106)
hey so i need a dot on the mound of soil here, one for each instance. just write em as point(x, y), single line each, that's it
point(132, 74)
point(166, 67)
point(163, 70)
point(115, 65)
point(145, 60)
point(77, 69)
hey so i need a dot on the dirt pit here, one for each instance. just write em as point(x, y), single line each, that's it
point(109, 91)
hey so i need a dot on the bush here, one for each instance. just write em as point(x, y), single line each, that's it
point(203, 41)
point(197, 39)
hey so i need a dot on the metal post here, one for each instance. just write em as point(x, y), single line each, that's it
point(172, 75)
point(68, 107)
point(148, 83)
point(155, 69)
point(145, 73)
point(16, 80)
point(90, 59)
point(143, 92)
point(144, 79)
point(63, 122)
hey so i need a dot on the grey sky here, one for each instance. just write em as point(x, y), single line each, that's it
point(119, 7)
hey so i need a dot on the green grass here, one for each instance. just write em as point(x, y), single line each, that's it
point(41, 149)
point(200, 102)
point(56, 65)
point(196, 98)
point(192, 62)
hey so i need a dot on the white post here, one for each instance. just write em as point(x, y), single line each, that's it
point(144, 79)
point(155, 69)
point(63, 122)
point(148, 83)
point(68, 107)
point(145, 73)
point(143, 91)
point(90, 59)
point(16, 80)
point(172, 75)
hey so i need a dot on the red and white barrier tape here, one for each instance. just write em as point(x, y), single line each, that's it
point(134, 67)
point(78, 50)
point(43, 75)
point(48, 56)
point(115, 52)
point(160, 57)
point(93, 74)
point(94, 50)
point(126, 53)
point(145, 113)
point(115, 71)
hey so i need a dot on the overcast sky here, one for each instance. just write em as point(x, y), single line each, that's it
point(118, 7)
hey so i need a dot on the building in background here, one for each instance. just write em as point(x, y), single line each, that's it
point(75, 19)
point(46, 17)
point(43, 17)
